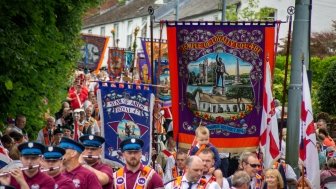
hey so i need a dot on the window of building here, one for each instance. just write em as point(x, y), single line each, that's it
point(144, 27)
point(129, 34)
point(90, 31)
point(102, 31)
point(116, 31)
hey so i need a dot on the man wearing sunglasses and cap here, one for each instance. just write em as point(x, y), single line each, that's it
point(80, 176)
point(53, 160)
point(30, 157)
point(91, 156)
point(138, 175)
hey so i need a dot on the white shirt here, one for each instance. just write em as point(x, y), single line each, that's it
point(224, 186)
point(185, 185)
point(168, 175)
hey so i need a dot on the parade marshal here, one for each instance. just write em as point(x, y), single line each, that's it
point(134, 174)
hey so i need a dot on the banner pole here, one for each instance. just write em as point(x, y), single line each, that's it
point(283, 101)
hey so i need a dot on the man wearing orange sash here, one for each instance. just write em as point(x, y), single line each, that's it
point(45, 135)
point(192, 179)
point(178, 167)
point(134, 175)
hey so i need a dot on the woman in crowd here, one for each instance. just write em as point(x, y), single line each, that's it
point(273, 179)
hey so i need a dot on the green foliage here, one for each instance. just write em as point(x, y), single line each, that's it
point(318, 66)
point(39, 50)
point(279, 76)
point(251, 12)
point(326, 89)
point(231, 12)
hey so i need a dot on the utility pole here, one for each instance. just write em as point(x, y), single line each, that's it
point(224, 10)
point(177, 9)
point(300, 54)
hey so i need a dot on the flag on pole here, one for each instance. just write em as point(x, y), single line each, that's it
point(269, 134)
point(308, 150)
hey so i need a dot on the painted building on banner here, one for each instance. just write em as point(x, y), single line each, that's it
point(124, 18)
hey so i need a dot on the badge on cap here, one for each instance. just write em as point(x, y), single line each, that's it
point(133, 140)
point(91, 137)
point(50, 148)
point(30, 144)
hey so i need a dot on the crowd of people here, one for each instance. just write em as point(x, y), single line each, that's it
point(67, 153)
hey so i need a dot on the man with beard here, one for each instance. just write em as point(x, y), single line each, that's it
point(91, 156)
point(52, 163)
point(138, 175)
point(30, 157)
point(81, 177)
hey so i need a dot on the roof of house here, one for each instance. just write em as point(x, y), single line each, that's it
point(138, 8)
point(133, 9)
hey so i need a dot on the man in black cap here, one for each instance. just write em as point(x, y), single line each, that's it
point(81, 177)
point(138, 175)
point(53, 160)
point(58, 134)
point(30, 157)
point(91, 156)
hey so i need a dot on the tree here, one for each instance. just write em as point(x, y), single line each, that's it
point(39, 50)
point(327, 91)
point(250, 13)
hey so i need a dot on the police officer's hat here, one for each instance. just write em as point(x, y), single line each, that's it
point(6, 187)
point(53, 152)
point(131, 144)
point(67, 143)
point(31, 148)
point(92, 140)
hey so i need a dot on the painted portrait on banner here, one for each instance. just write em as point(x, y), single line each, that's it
point(92, 52)
point(126, 112)
point(220, 81)
point(116, 61)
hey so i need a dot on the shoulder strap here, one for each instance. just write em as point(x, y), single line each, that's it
point(178, 182)
point(119, 174)
point(200, 149)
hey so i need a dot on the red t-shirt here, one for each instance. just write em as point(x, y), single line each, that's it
point(39, 180)
point(83, 178)
point(154, 182)
point(63, 182)
point(107, 170)
point(77, 102)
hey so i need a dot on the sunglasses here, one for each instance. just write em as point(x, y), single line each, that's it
point(254, 165)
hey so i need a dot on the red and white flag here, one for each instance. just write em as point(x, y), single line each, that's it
point(269, 134)
point(308, 150)
point(4, 158)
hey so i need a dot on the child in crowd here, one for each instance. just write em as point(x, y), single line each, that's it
point(203, 141)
